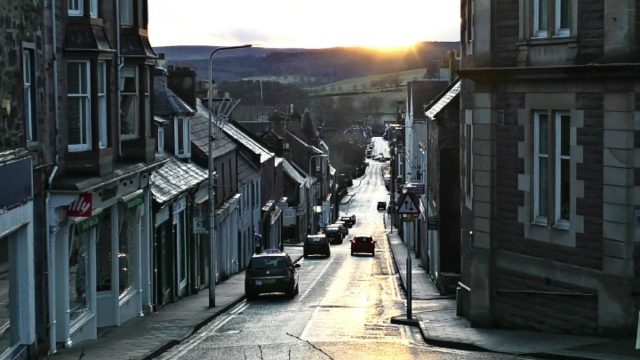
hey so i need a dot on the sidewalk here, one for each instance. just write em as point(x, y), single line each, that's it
point(148, 336)
point(441, 327)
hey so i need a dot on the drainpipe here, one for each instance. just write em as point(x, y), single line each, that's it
point(118, 69)
point(50, 240)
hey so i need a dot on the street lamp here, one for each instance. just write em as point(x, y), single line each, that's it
point(212, 233)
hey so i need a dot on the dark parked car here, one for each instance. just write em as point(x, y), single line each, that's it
point(316, 244)
point(382, 205)
point(349, 220)
point(334, 235)
point(363, 244)
point(343, 227)
point(269, 272)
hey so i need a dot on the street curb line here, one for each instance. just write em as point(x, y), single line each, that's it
point(173, 342)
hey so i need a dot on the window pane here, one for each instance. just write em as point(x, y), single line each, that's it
point(565, 144)
point(543, 15)
point(94, 8)
point(565, 14)
point(129, 122)
point(74, 114)
point(542, 187)
point(74, 77)
point(564, 189)
point(5, 298)
point(126, 12)
point(180, 137)
point(104, 254)
point(543, 134)
point(78, 276)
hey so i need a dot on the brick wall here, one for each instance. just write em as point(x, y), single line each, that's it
point(590, 31)
point(505, 30)
point(543, 312)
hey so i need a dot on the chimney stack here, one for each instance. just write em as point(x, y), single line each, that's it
point(182, 81)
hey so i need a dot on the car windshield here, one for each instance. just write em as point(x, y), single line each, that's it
point(315, 240)
point(363, 239)
point(268, 262)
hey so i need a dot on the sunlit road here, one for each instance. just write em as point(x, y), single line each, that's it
point(342, 311)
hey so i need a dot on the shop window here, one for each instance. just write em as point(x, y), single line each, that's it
point(104, 253)
point(129, 234)
point(5, 296)
point(78, 275)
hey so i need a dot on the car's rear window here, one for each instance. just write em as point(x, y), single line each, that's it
point(268, 262)
point(316, 240)
point(363, 239)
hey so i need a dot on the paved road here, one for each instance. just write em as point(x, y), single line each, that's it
point(343, 310)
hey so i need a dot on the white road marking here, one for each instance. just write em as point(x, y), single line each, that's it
point(310, 286)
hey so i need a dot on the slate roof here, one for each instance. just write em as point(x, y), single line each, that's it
point(246, 170)
point(248, 142)
point(291, 172)
point(174, 178)
point(445, 98)
point(222, 144)
point(166, 103)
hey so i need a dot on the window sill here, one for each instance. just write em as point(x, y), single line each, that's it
point(540, 223)
point(562, 225)
point(554, 40)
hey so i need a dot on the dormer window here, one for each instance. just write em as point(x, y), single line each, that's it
point(182, 140)
point(133, 13)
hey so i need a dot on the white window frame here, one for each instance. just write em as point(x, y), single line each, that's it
point(560, 31)
point(103, 136)
point(537, 217)
point(75, 7)
point(136, 94)
point(28, 72)
point(85, 122)
point(559, 158)
point(537, 32)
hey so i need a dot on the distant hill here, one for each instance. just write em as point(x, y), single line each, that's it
point(307, 67)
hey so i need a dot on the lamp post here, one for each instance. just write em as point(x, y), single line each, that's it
point(212, 233)
point(309, 192)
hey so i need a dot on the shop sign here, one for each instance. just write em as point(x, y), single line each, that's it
point(85, 225)
point(133, 201)
point(416, 188)
point(15, 182)
point(82, 206)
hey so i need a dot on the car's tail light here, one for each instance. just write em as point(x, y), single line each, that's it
point(373, 241)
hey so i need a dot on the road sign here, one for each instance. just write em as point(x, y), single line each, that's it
point(408, 205)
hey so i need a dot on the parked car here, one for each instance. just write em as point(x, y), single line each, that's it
point(382, 205)
point(344, 225)
point(341, 227)
point(334, 234)
point(269, 272)
point(363, 244)
point(317, 245)
point(350, 220)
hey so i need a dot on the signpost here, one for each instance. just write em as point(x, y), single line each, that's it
point(408, 206)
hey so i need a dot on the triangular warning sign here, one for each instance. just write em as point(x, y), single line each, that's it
point(407, 205)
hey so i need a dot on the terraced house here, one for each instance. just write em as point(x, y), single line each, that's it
point(550, 165)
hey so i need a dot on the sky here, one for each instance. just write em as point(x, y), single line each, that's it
point(303, 23)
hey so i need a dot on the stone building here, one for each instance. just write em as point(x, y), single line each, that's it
point(550, 165)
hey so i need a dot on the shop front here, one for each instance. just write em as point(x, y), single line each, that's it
point(17, 295)
point(97, 257)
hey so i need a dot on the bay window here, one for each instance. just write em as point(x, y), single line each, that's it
point(103, 136)
point(79, 105)
point(129, 122)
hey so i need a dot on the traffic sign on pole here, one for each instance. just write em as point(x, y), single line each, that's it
point(408, 205)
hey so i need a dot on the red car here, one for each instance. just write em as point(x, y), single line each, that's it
point(363, 244)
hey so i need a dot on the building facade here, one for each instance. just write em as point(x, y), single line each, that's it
point(549, 155)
